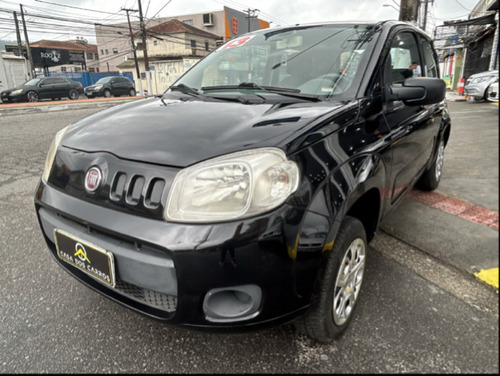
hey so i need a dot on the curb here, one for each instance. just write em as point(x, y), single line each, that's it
point(51, 106)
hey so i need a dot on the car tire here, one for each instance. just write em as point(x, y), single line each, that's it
point(338, 291)
point(73, 94)
point(107, 94)
point(32, 96)
point(489, 90)
point(429, 181)
point(131, 93)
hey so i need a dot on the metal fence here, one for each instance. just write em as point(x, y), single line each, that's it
point(87, 78)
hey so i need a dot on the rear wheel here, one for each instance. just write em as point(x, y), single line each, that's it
point(429, 181)
point(32, 96)
point(131, 93)
point(339, 290)
point(73, 94)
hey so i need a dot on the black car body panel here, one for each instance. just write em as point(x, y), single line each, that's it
point(357, 153)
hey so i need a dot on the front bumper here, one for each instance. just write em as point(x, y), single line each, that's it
point(171, 271)
point(12, 98)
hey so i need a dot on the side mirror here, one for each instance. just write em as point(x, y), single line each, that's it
point(419, 91)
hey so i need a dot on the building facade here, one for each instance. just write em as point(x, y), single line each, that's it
point(114, 42)
point(172, 48)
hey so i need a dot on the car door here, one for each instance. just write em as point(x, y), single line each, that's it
point(48, 88)
point(413, 129)
point(115, 86)
point(61, 87)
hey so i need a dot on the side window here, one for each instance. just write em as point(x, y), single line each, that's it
point(48, 81)
point(430, 66)
point(403, 60)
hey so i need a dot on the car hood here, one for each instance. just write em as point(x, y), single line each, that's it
point(485, 74)
point(182, 132)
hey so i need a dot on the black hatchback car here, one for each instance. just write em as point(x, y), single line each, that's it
point(43, 88)
point(111, 86)
point(247, 193)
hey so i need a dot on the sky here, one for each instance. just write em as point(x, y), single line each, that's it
point(278, 12)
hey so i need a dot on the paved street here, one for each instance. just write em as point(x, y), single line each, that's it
point(422, 309)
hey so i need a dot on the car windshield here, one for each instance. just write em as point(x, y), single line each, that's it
point(103, 80)
point(32, 82)
point(318, 60)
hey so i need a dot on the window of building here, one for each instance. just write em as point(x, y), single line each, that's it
point(193, 43)
point(139, 46)
point(155, 43)
point(90, 56)
point(77, 69)
point(188, 22)
point(91, 70)
point(63, 69)
point(106, 51)
point(96, 56)
point(115, 51)
point(206, 46)
point(143, 75)
point(97, 70)
point(102, 52)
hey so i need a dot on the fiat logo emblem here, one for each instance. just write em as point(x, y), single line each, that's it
point(93, 179)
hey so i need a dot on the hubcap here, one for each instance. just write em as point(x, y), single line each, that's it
point(439, 161)
point(348, 283)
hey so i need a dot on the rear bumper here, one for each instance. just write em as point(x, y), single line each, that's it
point(172, 271)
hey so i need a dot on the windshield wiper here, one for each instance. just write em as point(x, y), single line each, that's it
point(284, 91)
point(187, 90)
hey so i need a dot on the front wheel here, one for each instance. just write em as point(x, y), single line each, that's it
point(429, 181)
point(32, 96)
point(107, 93)
point(339, 289)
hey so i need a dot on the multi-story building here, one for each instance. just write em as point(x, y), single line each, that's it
point(114, 42)
point(172, 48)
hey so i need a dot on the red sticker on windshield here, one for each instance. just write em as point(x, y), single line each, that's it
point(238, 42)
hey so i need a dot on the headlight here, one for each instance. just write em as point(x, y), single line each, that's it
point(233, 186)
point(16, 92)
point(481, 79)
point(49, 161)
point(98, 87)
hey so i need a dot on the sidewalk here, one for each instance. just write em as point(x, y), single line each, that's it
point(50, 105)
point(453, 96)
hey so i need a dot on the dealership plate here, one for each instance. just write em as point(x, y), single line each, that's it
point(93, 260)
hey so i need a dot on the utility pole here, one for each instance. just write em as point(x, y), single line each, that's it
point(28, 49)
point(18, 35)
point(251, 13)
point(408, 11)
point(426, 5)
point(133, 48)
point(144, 48)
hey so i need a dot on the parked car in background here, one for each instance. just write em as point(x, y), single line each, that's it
point(478, 84)
point(111, 86)
point(43, 88)
point(247, 193)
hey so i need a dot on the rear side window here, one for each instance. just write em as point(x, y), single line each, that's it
point(430, 67)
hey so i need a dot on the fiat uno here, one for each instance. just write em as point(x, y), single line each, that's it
point(247, 193)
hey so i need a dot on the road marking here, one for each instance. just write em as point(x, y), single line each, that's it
point(490, 276)
point(462, 209)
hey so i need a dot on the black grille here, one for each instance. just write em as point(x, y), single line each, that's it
point(149, 297)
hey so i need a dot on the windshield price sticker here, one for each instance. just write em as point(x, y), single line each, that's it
point(238, 42)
